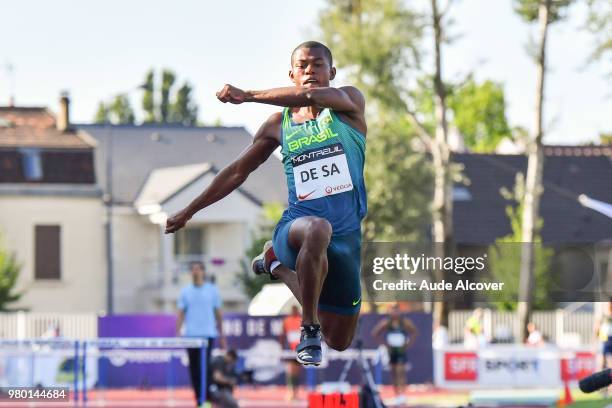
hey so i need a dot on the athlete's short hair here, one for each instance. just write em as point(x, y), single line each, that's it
point(314, 44)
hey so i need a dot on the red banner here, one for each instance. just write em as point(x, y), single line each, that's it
point(461, 366)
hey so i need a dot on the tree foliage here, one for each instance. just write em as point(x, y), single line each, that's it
point(9, 272)
point(102, 115)
point(399, 184)
point(148, 98)
point(528, 9)
point(375, 43)
point(184, 110)
point(479, 113)
point(505, 256)
point(159, 103)
point(252, 284)
point(168, 79)
point(599, 23)
point(120, 111)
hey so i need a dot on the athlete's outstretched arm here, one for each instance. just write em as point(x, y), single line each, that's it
point(232, 176)
point(344, 99)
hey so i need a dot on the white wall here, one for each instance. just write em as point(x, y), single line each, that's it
point(82, 287)
point(136, 259)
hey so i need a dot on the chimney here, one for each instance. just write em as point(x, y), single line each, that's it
point(63, 117)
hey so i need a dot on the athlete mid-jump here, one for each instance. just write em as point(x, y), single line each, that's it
point(317, 242)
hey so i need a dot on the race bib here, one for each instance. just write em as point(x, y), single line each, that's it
point(321, 172)
point(395, 339)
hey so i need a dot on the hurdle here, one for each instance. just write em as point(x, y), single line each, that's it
point(80, 350)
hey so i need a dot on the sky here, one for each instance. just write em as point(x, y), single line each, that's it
point(97, 49)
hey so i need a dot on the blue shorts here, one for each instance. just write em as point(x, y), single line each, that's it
point(341, 291)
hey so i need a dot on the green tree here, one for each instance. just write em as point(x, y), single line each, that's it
point(375, 43)
point(148, 99)
point(529, 10)
point(505, 257)
point(252, 284)
point(168, 79)
point(599, 23)
point(544, 12)
point(479, 113)
point(120, 111)
point(9, 272)
point(184, 110)
point(378, 42)
point(399, 183)
point(102, 114)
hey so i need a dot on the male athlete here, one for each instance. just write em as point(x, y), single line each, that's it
point(321, 131)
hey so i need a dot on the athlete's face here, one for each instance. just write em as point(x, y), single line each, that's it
point(311, 69)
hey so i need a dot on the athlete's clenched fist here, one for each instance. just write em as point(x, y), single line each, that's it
point(231, 94)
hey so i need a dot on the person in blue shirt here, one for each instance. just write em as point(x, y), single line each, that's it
point(199, 306)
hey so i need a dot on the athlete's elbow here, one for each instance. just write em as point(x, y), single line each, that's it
point(237, 178)
point(310, 96)
point(316, 96)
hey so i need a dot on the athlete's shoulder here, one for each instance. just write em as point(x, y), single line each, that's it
point(270, 129)
point(275, 119)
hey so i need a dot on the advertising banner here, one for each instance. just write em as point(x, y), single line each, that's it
point(513, 366)
point(257, 340)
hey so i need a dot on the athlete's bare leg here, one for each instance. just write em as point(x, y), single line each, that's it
point(338, 330)
point(289, 278)
point(311, 237)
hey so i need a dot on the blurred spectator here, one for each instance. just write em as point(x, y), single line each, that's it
point(473, 335)
point(400, 334)
point(603, 330)
point(290, 337)
point(224, 378)
point(439, 337)
point(52, 332)
point(199, 307)
point(535, 338)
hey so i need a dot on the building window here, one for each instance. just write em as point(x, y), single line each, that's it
point(32, 165)
point(47, 250)
point(190, 242)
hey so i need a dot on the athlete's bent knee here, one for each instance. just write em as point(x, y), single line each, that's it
point(339, 344)
point(319, 231)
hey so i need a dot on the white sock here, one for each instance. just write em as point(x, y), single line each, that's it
point(274, 265)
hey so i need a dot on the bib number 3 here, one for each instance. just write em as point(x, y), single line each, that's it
point(321, 172)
